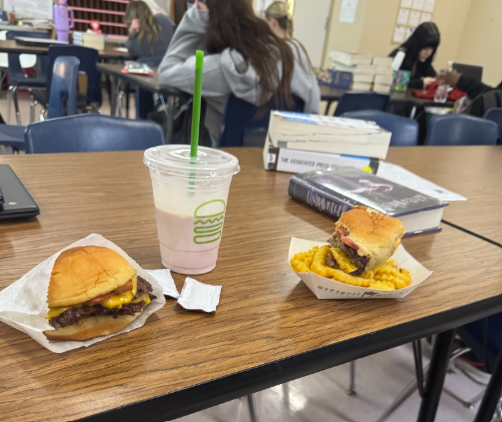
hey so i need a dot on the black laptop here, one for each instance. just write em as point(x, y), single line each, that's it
point(39, 42)
point(15, 200)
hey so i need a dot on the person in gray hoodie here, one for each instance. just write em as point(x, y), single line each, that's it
point(242, 57)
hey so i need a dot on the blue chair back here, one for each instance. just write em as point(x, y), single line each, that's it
point(242, 118)
point(355, 101)
point(89, 58)
point(91, 132)
point(461, 129)
point(495, 115)
point(404, 130)
point(484, 337)
point(16, 72)
point(63, 93)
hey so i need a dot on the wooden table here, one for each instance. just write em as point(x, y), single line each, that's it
point(148, 83)
point(268, 329)
point(472, 171)
point(12, 46)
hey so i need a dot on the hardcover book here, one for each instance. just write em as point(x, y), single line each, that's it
point(337, 189)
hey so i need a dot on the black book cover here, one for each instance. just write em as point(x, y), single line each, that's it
point(338, 189)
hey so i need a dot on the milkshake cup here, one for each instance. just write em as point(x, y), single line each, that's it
point(190, 195)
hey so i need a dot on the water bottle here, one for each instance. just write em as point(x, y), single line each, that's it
point(441, 94)
point(63, 20)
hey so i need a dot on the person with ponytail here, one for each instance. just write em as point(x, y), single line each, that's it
point(242, 57)
point(149, 35)
point(279, 19)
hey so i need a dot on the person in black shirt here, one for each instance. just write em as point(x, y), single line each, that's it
point(419, 51)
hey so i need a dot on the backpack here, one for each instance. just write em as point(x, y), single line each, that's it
point(483, 102)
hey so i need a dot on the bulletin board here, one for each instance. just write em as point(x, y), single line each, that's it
point(411, 13)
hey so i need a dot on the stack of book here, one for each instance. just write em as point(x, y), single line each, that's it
point(360, 65)
point(382, 81)
point(89, 39)
point(298, 142)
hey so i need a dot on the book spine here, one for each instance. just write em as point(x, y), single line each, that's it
point(330, 205)
point(295, 161)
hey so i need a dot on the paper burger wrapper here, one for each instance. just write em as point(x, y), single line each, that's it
point(327, 288)
point(23, 304)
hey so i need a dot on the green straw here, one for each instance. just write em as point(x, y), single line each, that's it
point(197, 91)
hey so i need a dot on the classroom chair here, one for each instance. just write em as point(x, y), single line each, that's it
point(461, 129)
point(243, 120)
point(88, 59)
point(91, 132)
point(495, 115)
point(404, 130)
point(355, 101)
point(63, 100)
point(483, 338)
point(17, 77)
point(63, 93)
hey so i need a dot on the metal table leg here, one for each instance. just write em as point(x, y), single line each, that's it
point(436, 375)
point(492, 394)
point(170, 118)
point(113, 95)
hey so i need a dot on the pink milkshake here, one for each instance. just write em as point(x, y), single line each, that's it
point(190, 198)
point(186, 246)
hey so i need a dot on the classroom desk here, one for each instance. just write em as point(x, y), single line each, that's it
point(148, 83)
point(11, 46)
point(472, 171)
point(333, 94)
point(268, 329)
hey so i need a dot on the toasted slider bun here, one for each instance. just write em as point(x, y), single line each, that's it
point(375, 234)
point(83, 273)
point(91, 327)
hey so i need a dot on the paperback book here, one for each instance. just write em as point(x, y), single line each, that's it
point(328, 134)
point(337, 189)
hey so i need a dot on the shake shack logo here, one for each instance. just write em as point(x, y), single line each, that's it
point(209, 221)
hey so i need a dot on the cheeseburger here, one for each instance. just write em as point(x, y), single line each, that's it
point(93, 291)
point(363, 239)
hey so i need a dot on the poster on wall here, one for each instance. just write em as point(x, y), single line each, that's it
point(29, 9)
point(348, 11)
point(410, 14)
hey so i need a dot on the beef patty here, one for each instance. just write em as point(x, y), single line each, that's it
point(359, 261)
point(75, 314)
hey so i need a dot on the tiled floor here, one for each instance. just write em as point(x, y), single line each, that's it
point(322, 397)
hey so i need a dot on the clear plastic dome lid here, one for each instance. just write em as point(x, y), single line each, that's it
point(175, 161)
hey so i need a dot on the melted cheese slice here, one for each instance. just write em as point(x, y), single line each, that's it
point(343, 260)
point(115, 301)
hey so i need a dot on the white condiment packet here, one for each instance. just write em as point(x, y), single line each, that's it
point(165, 279)
point(23, 304)
point(197, 296)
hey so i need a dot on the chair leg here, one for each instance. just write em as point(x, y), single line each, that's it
point(16, 105)
point(252, 410)
point(352, 386)
point(9, 103)
point(33, 105)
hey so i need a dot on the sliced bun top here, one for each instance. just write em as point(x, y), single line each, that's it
point(376, 235)
point(83, 273)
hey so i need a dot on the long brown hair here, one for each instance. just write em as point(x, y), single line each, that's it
point(233, 24)
point(148, 26)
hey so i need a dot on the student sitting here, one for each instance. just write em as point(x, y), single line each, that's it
point(149, 35)
point(419, 51)
point(242, 56)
